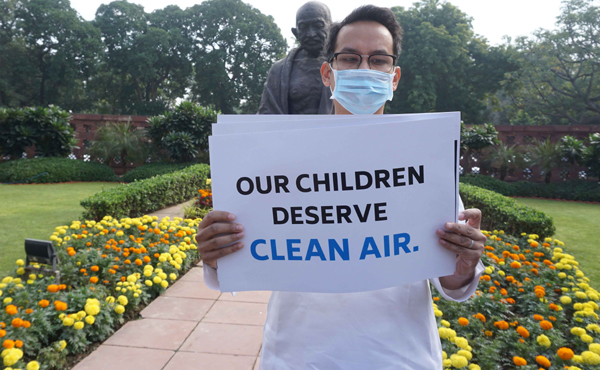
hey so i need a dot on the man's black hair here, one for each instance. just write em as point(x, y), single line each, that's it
point(383, 16)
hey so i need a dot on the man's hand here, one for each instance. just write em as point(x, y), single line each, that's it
point(467, 242)
point(215, 231)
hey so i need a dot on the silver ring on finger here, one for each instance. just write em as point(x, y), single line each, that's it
point(472, 243)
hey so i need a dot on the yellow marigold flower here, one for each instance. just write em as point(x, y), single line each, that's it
point(578, 331)
point(447, 363)
point(474, 367)
point(595, 347)
point(148, 283)
point(445, 323)
point(590, 358)
point(543, 341)
point(577, 359)
point(574, 368)
point(580, 295)
point(20, 262)
point(561, 275)
point(63, 344)
point(164, 283)
point(67, 321)
point(147, 273)
point(565, 299)
point(593, 327)
point(33, 365)
point(119, 309)
point(464, 353)
point(172, 276)
point(444, 355)
point(11, 356)
point(78, 325)
point(156, 280)
point(446, 333)
point(90, 319)
point(461, 342)
point(122, 300)
point(587, 338)
point(459, 361)
point(92, 309)
point(438, 313)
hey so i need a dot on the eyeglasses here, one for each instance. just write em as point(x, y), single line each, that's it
point(378, 62)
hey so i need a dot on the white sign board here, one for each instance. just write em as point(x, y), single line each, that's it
point(338, 209)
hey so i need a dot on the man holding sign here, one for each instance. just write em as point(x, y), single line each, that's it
point(391, 328)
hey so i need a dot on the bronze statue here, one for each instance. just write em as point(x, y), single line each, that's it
point(294, 84)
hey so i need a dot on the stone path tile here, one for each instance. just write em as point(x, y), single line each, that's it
point(191, 289)
point(199, 264)
point(173, 211)
point(224, 339)
point(152, 333)
point(255, 297)
point(125, 358)
point(209, 361)
point(174, 308)
point(257, 364)
point(194, 274)
point(243, 313)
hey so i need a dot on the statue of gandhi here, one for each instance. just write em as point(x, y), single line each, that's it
point(294, 84)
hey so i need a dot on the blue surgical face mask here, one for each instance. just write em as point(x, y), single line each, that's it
point(362, 91)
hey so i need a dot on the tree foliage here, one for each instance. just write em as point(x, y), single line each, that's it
point(235, 45)
point(119, 139)
point(445, 66)
point(560, 74)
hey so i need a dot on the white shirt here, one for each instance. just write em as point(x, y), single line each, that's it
point(392, 328)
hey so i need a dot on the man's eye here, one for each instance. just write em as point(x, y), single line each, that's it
point(348, 59)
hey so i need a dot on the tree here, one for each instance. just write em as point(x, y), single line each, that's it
point(560, 77)
point(235, 45)
point(119, 139)
point(547, 156)
point(591, 156)
point(504, 158)
point(445, 66)
point(474, 139)
point(184, 132)
point(147, 55)
point(52, 52)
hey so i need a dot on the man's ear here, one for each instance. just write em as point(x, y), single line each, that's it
point(397, 74)
point(326, 74)
point(295, 32)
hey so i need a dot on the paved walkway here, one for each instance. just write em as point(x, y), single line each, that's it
point(188, 327)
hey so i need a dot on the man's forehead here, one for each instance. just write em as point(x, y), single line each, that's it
point(365, 37)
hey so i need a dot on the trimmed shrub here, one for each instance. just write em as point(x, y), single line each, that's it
point(502, 213)
point(149, 195)
point(570, 190)
point(58, 170)
point(153, 169)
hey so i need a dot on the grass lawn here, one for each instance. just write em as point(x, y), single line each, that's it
point(33, 211)
point(577, 225)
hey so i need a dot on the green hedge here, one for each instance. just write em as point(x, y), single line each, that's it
point(569, 190)
point(58, 170)
point(145, 196)
point(153, 169)
point(503, 213)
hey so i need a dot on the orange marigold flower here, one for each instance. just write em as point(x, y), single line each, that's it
point(138, 262)
point(515, 265)
point(543, 361)
point(486, 277)
point(11, 309)
point(480, 317)
point(554, 307)
point(123, 278)
point(538, 317)
point(534, 244)
point(551, 318)
point(488, 333)
point(515, 247)
point(502, 325)
point(552, 267)
point(18, 343)
point(463, 321)
point(547, 245)
point(534, 271)
point(26, 324)
point(547, 262)
point(523, 332)
point(52, 288)
point(519, 361)
point(29, 310)
point(82, 270)
point(436, 298)
point(71, 253)
point(492, 289)
point(2, 333)
point(16, 323)
point(8, 344)
point(565, 353)
point(127, 262)
point(510, 300)
point(546, 325)
point(156, 255)
point(94, 268)
point(60, 306)
point(43, 303)
point(503, 291)
point(94, 279)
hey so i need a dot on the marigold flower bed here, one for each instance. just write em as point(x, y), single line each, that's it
point(533, 309)
point(108, 268)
